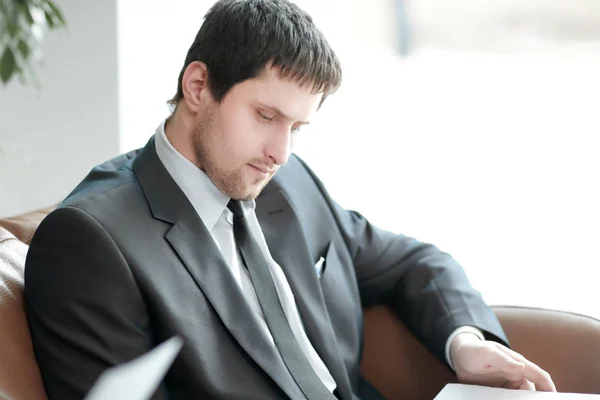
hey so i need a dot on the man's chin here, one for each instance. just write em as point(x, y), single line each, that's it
point(250, 192)
point(254, 190)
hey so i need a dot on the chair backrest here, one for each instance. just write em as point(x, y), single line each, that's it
point(23, 226)
point(396, 363)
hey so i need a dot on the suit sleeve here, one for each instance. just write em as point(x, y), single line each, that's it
point(426, 287)
point(84, 308)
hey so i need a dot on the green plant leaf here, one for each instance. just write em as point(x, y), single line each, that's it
point(8, 65)
point(25, 10)
point(24, 49)
point(16, 37)
point(49, 20)
point(57, 13)
point(10, 13)
point(12, 29)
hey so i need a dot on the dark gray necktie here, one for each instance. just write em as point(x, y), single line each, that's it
point(293, 356)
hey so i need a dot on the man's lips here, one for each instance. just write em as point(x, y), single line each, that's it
point(262, 169)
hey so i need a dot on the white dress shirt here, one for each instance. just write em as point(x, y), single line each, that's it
point(211, 206)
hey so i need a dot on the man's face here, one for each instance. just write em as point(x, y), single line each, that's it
point(241, 142)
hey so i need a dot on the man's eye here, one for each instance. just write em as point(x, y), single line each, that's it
point(296, 129)
point(265, 117)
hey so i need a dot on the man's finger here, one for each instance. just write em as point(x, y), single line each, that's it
point(541, 378)
point(523, 384)
point(527, 385)
point(532, 372)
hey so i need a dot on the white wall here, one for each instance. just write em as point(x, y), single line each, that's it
point(154, 36)
point(50, 138)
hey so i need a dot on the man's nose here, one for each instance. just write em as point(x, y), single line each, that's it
point(279, 148)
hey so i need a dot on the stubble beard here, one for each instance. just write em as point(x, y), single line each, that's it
point(231, 183)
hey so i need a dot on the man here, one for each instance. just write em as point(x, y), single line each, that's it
point(264, 276)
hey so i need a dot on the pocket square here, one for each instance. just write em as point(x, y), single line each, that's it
point(319, 266)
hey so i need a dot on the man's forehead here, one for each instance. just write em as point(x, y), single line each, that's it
point(286, 96)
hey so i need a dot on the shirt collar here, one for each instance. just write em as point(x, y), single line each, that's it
point(206, 198)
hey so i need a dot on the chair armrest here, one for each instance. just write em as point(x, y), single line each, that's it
point(564, 344)
point(19, 374)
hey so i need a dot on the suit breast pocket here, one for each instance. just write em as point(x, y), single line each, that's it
point(335, 276)
point(340, 292)
point(328, 257)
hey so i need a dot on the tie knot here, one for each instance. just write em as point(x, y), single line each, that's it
point(236, 208)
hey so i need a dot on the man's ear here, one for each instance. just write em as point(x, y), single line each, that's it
point(194, 85)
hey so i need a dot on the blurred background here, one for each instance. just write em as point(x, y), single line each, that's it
point(470, 124)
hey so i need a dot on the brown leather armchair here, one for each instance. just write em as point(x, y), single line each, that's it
point(566, 345)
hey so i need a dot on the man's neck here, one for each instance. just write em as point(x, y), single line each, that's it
point(178, 132)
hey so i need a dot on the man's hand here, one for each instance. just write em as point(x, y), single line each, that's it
point(489, 363)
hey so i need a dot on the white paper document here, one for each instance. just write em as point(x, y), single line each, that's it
point(139, 378)
point(471, 392)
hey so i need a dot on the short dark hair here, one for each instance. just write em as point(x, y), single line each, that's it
point(239, 38)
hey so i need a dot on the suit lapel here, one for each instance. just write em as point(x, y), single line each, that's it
point(203, 260)
point(291, 252)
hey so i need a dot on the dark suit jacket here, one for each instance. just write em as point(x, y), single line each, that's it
point(125, 263)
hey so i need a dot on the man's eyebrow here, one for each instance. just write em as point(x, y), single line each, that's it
point(281, 113)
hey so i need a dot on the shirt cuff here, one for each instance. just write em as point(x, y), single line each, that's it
point(458, 331)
